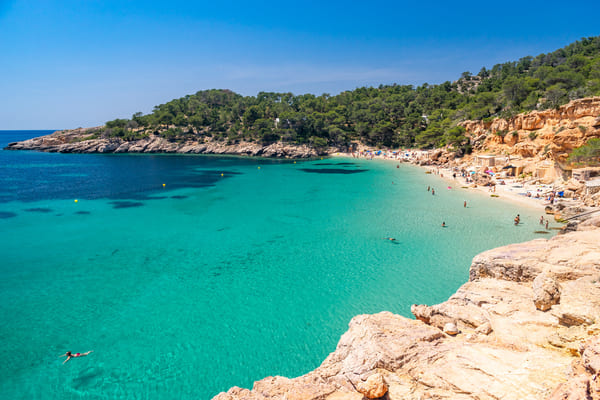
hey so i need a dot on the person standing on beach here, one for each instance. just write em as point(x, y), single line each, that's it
point(542, 220)
point(546, 224)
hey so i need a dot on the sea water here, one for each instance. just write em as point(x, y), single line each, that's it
point(187, 275)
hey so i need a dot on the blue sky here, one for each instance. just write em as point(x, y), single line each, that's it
point(66, 64)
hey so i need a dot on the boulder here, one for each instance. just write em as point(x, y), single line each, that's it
point(374, 387)
point(451, 329)
point(546, 292)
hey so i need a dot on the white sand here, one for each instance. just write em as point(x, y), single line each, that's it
point(510, 191)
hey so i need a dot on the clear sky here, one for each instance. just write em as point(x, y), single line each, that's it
point(71, 63)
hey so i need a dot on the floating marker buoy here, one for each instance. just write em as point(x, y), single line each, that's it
point(258, 167)
point(76, 200)
point(221, 174)
point(164, 184)
point(294, 162)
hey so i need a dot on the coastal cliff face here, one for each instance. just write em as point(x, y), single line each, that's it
point(549, 133)
point(79, 141)
point(525, 326)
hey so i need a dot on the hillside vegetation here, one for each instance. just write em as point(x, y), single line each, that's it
point(393, 115)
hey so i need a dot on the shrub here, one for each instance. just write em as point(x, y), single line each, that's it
point(533, 135)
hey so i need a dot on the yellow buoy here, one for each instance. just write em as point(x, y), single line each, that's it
point(164, 184)
point(258, 167)
point(221, 174)
point(76, 200)
point(294, 162)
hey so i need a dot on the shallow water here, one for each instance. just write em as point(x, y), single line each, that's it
point(211, 281)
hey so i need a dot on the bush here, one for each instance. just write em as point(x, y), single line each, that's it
point(533, 135)
point(587, 154)
point(318, 142)
point(117, 123)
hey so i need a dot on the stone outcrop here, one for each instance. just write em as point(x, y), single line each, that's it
point(546, 292)
point(502, 346)
point(549, 133)
point(374, 387)
point(83, 141)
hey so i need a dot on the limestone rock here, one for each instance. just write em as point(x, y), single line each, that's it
point(84, 141)
point(591, 355)
point(451, 329)
point(484, 329)
point(374, 387)
point(546, 292)
point(557, 130)
point(565, 257)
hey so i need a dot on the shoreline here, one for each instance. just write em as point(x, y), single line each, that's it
point(522, 327)
point(504, 192)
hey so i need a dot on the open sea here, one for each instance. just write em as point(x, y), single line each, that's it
point(234, 270)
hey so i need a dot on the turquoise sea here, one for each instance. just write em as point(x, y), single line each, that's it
point(235, 270)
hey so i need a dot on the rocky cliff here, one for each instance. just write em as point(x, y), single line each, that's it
point(82, 141)
point(525, 326)
point(548, 134)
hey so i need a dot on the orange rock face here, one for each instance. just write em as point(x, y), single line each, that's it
point(535, 133)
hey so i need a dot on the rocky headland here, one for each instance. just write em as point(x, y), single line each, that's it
point(83, 140)
point(525, 326)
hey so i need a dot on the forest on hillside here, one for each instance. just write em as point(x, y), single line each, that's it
point(390, 115)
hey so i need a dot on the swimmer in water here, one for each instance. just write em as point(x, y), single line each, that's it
point(70, 355)
point(517, 219)
point(465, 204)
point(390, 238)
point(444, 224)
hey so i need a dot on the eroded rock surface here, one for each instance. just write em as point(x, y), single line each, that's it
point(554, 131)
point(506, 348)
point(83, 141)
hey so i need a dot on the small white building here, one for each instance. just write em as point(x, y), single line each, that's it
point(486, 160)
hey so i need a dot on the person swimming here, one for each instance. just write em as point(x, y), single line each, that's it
point(517, 219)
point(390, 238)
point(70, 355)
point(444, 224)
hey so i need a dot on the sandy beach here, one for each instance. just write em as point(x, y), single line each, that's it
point(513, 189)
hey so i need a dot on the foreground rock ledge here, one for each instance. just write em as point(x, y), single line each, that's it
point(505, 349)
